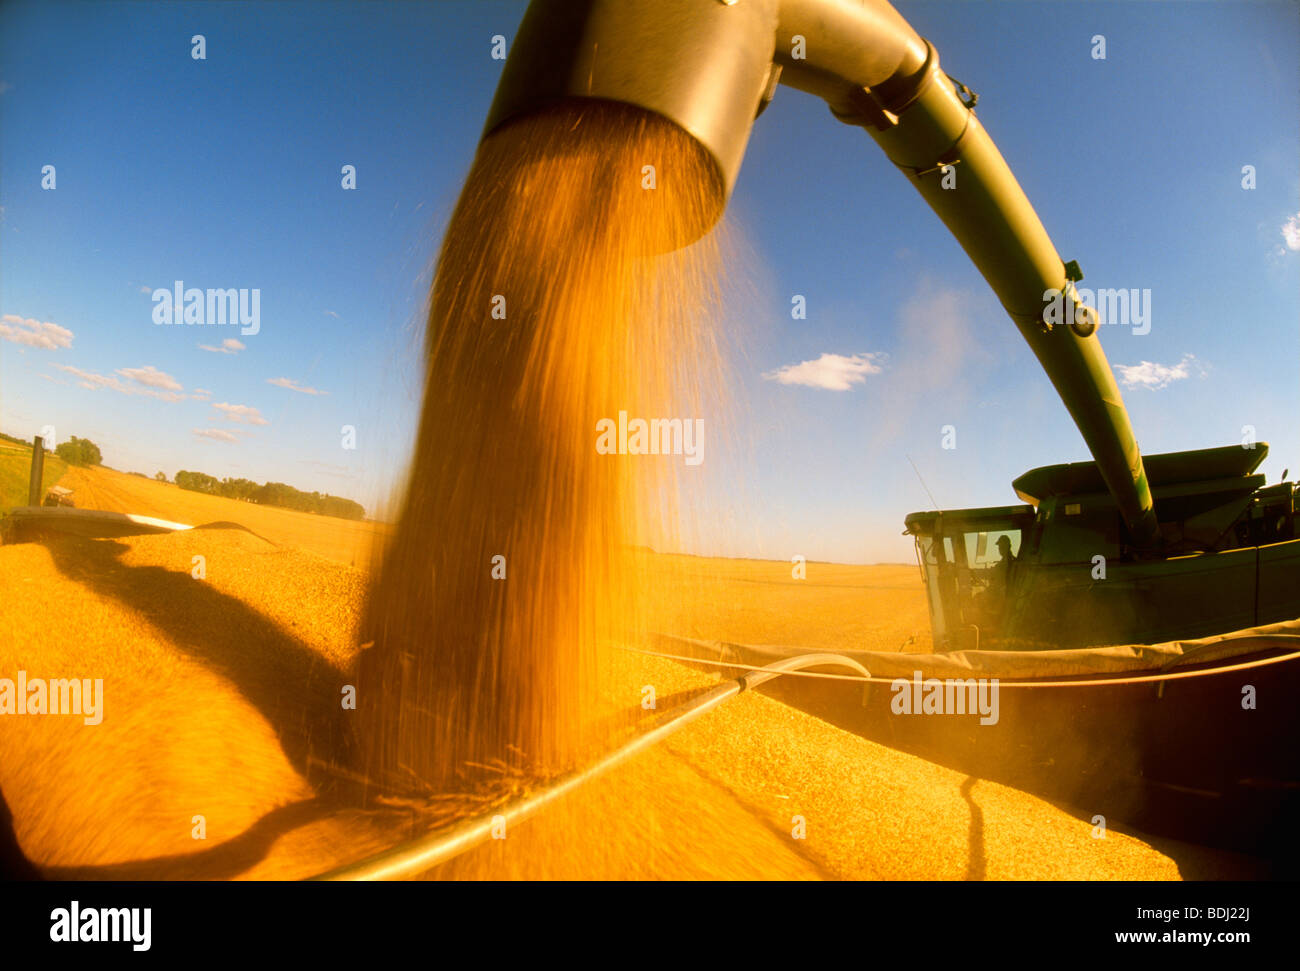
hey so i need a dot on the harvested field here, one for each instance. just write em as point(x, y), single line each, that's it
point(836, 606)
point(347, 541)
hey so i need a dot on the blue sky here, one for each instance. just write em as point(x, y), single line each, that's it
point(226, 173)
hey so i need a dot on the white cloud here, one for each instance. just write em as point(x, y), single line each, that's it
point(89, 379)
point(34, 333)
point(332, 314)
point(833, 372)
point(228, 346)
point(216, 434)
point(144, 289)
point(241, 414)
point(1154, 376)
point(151, 377)
point(1291, 232)
point(93, 381)
point(292, 386)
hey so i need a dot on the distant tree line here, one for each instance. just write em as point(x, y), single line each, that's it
point(75, 451)
point(79, 451)
point(271, 494)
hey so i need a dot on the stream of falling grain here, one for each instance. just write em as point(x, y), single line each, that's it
point(557, 231)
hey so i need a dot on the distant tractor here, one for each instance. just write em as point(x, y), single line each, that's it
point(58, 496)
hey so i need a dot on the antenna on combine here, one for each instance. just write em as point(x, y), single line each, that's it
point(923, 485)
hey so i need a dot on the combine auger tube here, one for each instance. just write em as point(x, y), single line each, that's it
point(427, 852)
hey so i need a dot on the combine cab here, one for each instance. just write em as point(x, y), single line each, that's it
point(1063, 572)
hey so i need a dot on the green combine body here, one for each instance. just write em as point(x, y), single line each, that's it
point(1064, 572)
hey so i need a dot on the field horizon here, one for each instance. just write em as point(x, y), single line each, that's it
point(116, 497)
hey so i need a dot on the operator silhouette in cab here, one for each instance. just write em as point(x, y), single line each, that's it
point(1002, 576)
